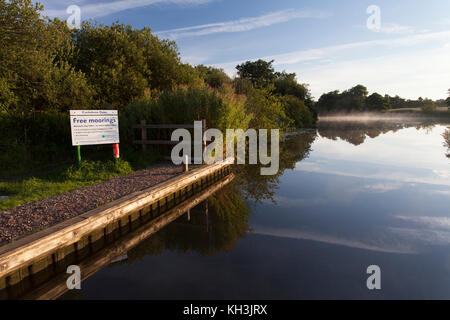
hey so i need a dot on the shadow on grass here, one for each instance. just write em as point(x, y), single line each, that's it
point(69, 178)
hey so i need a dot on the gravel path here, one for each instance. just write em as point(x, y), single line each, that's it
point(40, 214)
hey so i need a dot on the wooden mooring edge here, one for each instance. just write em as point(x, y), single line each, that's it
point(57, 286)
point(23, 252)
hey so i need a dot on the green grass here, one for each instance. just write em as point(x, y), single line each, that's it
point(36, 188)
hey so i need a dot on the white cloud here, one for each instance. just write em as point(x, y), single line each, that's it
point(428, 222)
point(322, 53)
point(304, 235)
point(410, 75)
point(425, 229)
point(240, 25)
point(404, 157)
point(326, 53)
point(53, 8)
point(443, 192)
point(445, 22)
point(410, 65)
point(383, 187)
point(442, 173)
point(393, 28)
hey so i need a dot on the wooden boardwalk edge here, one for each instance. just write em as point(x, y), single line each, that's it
point(19, 253)
point(57, 286)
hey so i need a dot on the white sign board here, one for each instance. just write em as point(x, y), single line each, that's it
point(94, 127)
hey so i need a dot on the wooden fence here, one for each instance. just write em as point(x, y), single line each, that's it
point(163, 134)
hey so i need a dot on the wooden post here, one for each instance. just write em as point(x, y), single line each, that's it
point(203, 137)
point(207, 215)
point(144, 134)
point(186, 159)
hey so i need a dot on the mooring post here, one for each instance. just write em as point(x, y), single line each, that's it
point(203, 137)
point(186, 159)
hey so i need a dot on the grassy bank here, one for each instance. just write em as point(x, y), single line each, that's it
point(71, 178)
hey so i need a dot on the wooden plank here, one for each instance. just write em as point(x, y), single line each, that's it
point(165, 142)
point(163, 126)
point(26, 250)
point(57, 286)
point(192, 160)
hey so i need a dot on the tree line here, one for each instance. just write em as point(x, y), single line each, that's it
point(47, 69)
point(357, 99)
point(45, 66)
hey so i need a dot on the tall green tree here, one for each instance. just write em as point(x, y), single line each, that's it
point(35, 73)
point(260, 72)
point(375, 102)
point(296, 110)
point(286, 84)
point(214, 77)
point(121, 62)
point(114, 61)
point(350, 100)
point(328, 102)
point(267, 109)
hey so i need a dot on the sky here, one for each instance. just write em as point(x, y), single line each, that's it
point(329, 44)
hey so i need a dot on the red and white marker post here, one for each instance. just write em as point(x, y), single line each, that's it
point(116, 152)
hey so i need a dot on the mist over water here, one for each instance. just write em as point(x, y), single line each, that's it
point(370, 117)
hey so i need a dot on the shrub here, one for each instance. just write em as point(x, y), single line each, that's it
point(297, 111)
point(429, 106)
point(267, 110)
point(96, 171)
point(221, 109)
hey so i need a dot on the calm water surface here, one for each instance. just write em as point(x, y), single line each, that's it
point(349, 196)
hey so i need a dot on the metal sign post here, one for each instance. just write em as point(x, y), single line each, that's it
point(79, 156)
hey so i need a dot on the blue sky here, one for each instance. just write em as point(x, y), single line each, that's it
point(326, 43)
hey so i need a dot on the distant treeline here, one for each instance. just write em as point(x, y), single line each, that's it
point(357, 99)
point(46, 69)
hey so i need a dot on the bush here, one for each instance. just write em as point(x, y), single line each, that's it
point(29, 140)
point(97, 171)
point(221, 109)
point(297, 111)
point(429, 106)
point(267, 110)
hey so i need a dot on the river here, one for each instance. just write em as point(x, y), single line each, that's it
point(349, 195)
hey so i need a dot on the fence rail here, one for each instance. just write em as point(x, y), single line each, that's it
point(144, 142)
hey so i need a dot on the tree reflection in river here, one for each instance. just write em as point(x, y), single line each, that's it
point(356, 132)
point(294, 148)
point(213, 226)
point(446, 136)
point(216, 225)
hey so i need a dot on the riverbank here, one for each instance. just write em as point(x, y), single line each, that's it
point(81, 236)
point(34, 216)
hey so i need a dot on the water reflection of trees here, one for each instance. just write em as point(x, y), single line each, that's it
point(216, 224)
point(356, 132)
point(446, 136)
point(293, 149)
point(213, 226)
